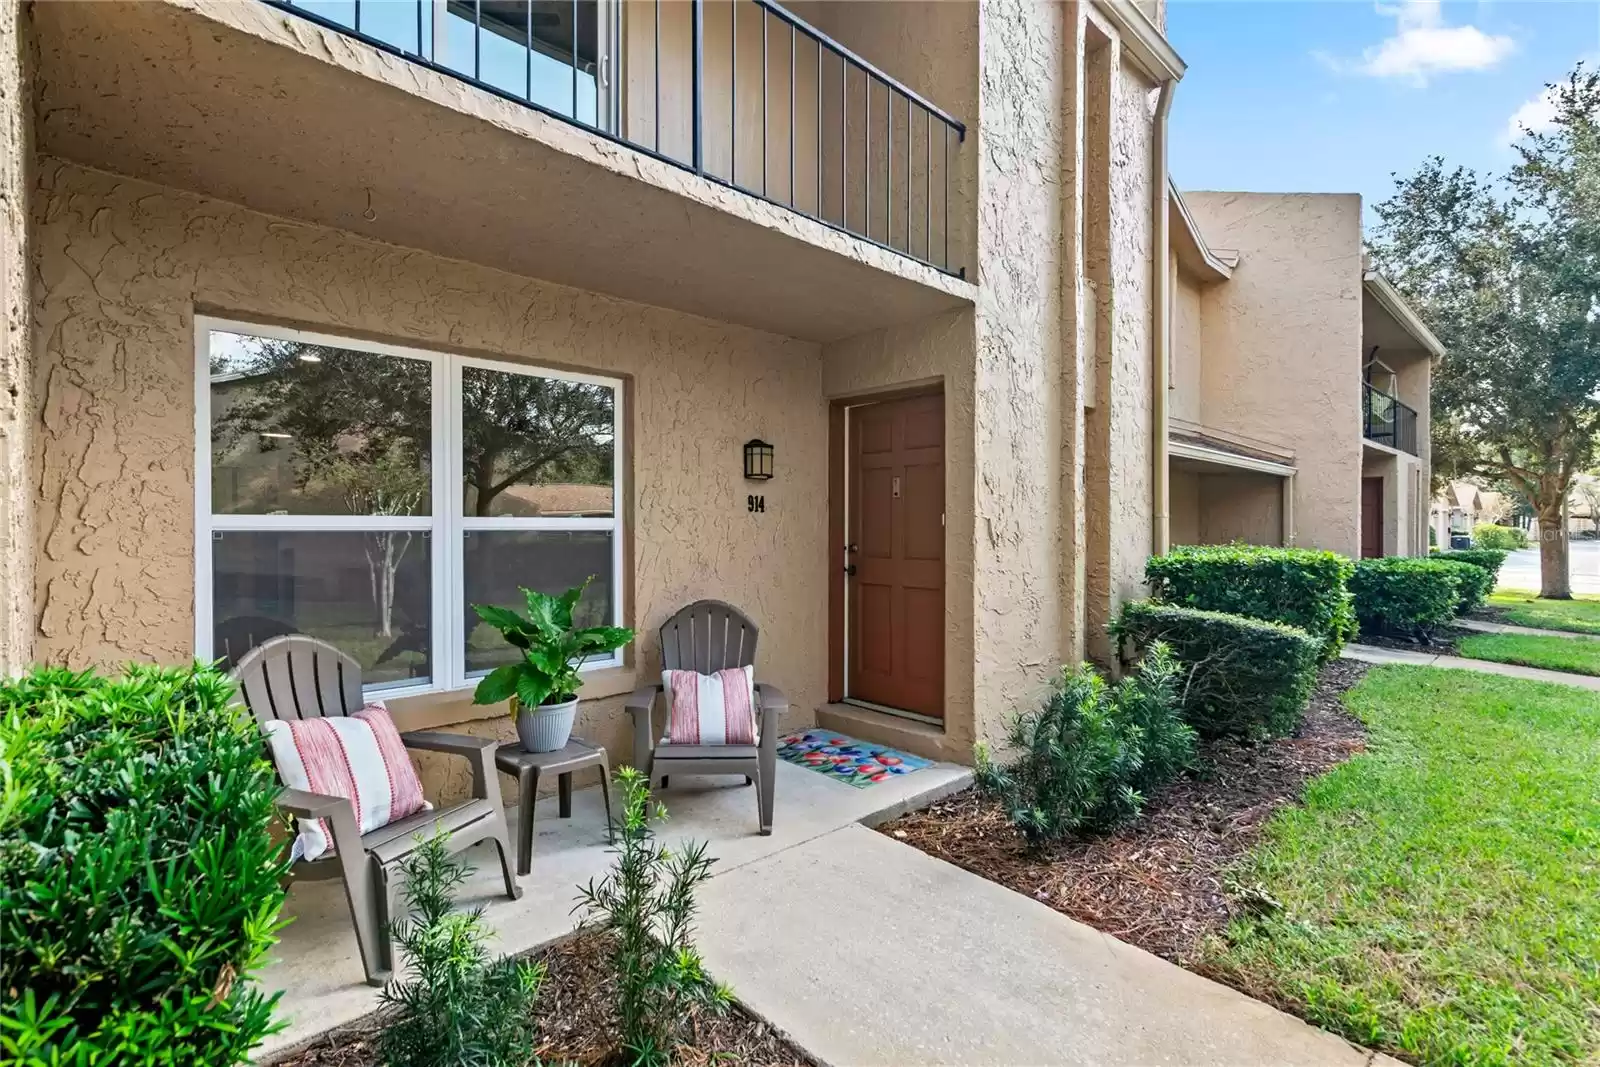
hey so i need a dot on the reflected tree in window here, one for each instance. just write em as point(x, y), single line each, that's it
point(519, 430)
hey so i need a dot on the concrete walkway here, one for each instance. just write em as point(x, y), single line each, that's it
point(1420, 658)
point(1483, 627)
point(867, 951)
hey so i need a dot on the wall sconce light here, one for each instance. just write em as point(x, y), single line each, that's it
point(757, 460)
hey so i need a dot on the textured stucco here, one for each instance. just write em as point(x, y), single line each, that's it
point(16, 510)
point(122, 266)
point(1281, 343)
point(1183, 383)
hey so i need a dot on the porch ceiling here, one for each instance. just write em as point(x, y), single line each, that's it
point(255, 106)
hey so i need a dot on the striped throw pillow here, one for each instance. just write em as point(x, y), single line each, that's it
point(711, 709)
point(359, 757)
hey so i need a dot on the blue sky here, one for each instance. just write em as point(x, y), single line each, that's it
point(1334, 95)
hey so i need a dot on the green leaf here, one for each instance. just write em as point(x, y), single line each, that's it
point(502, 619)
point(498, 685)
point(547, 658)
point(532, 689)
point(598, 639)
point(547, 613)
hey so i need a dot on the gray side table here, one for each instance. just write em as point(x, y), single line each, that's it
point(527, 767)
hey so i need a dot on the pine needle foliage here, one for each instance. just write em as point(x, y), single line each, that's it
point(1086, 758)
point(459, 1007)
point(646, 901)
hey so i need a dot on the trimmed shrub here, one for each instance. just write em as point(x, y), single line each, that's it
point(141, 879)
point(459, 1006)
point(1490, 559)
point(1243, 677)
point(1408, 595)
point(1491, 535)
point(1475, 589)
point(1088, 755)
point(1298, 586)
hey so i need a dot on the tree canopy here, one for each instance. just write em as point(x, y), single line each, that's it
point(1506, 272)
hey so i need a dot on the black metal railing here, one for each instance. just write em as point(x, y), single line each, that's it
point(740, 92)
point(1386, 420)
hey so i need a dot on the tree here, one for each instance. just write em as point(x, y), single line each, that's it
point(1507, 273)
point(1588, 492)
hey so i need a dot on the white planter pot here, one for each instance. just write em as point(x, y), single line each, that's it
point(547, 727)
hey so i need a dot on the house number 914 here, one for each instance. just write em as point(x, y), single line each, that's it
point(755, 503)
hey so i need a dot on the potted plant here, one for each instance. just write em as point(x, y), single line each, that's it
point(543, 684)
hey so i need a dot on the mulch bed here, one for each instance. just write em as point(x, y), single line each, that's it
point(1159, 883)
point(1442, 643)
point(576, 1022)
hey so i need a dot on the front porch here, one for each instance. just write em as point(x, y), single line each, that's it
point(317, 965)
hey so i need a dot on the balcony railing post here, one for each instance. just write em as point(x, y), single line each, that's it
point(697, 58)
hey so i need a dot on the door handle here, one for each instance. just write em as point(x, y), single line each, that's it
point(850, 569)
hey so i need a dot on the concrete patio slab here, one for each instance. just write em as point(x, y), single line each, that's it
point(1373, 654)
point(869, 952)
point(316, 963)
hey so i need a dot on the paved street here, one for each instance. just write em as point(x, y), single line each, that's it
point(1521, 570)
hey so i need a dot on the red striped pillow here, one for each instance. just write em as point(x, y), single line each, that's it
point(359, 757)
point(711, 709)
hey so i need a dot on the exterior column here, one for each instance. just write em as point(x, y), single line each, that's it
point(16, 340)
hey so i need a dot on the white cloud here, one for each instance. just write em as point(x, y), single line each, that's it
point(1423, 46)
point(1536, 115)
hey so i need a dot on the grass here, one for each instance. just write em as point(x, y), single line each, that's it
point(1438, 893)
point(1579, 615)
point(1576, 654)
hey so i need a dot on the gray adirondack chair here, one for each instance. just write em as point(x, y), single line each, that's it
point(709, 636)
point(298, 677)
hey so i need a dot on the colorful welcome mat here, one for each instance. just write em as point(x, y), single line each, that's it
point(844, 759)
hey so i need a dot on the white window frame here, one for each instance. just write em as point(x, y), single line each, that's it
point(445, 525)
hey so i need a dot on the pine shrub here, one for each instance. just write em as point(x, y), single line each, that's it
point(458, 1006)
point(1241, 677)
point(139, 879)
point(1302, 587)
point(1086, 759)
point(646, 901)
point(1409, 596)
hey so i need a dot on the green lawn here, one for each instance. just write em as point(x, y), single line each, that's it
point(1440, 893)
point(1577, 654)
point(1579, 615)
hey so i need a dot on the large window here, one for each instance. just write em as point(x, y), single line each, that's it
point(369, 495)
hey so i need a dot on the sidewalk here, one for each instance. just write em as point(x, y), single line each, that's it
point(867, 951)
point(1373, 654)
point(1527, 631)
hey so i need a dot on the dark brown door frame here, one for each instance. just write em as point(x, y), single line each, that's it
point(838, 462)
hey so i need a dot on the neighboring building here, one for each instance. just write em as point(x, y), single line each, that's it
point(519, 282)
point(1460, 506)
point(1298, 399)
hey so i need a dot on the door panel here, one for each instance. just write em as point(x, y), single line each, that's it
point(1371, 518)
point(895, 624)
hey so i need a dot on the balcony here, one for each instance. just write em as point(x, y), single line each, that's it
point(1387, 421)
point(440, 128)
point(740, 92)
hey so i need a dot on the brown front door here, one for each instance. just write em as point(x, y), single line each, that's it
point(1371, 518)
point(895, 535)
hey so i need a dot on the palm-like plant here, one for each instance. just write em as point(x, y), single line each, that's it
point(552, 649)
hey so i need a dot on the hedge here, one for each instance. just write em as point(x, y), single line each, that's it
point(1244, 677)
point(1408, 595)
point(1492, 535)
point(1302, 587)
point(142, 881)
point(1475, 589)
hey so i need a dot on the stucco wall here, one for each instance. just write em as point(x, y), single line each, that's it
point(1241, 506)
point(16, 511)
point(1183, 384)
point(1183, 498)
point(122, 266)
point(1282, 340)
